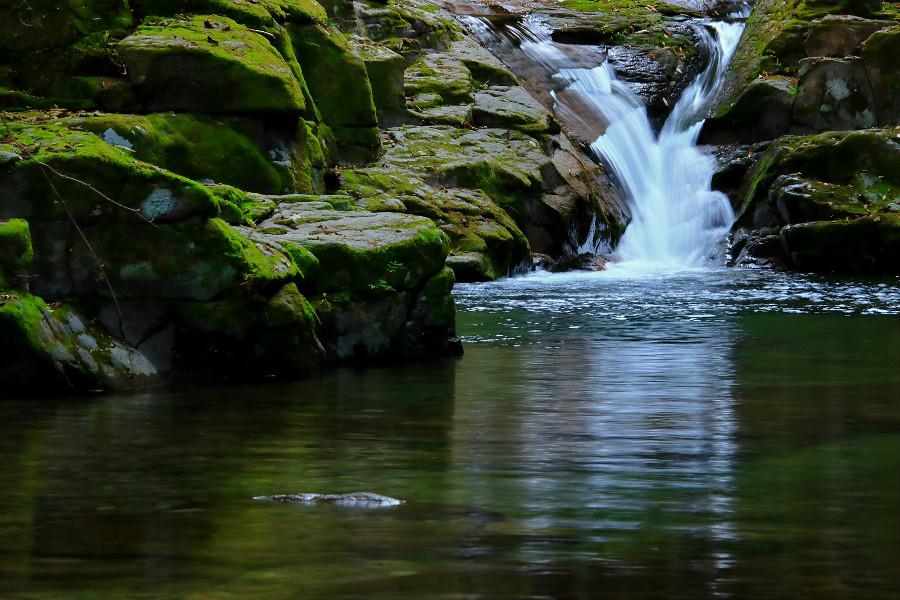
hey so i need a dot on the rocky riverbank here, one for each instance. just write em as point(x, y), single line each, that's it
point(811, 113)
point(246, 189)
point(251, 188)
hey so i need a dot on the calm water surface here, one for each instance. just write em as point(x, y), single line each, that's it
point(695, 434)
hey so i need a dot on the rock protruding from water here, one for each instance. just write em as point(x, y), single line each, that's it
point(351, 500)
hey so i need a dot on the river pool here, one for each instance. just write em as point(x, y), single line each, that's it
point(690, 434)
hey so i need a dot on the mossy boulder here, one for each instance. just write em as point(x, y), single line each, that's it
point(507, 165)
point(455, 115)
point(868, 161)
point(762, 111)
point(774, 40)
point(485, 68)
point(621, 22)
point(239, 151)
point(16, 252)
point(253, 13)
point(185, 261)
point(477, 226)
point(59, 173)
point(881, 55)
point(651, 45)
point(385, 69)
point(54, 351)
point(209, 64)
point(512, 107)
point(406, 27)
point(248, 336)
point(800, 200)
point(359, 253)
point(373, 287)
point(339, 84)
point(837, 36)
point(834, 94)
point(864, 245)
point(58, 53)
point(833, 200)
point(441, 74)
point(40, 25)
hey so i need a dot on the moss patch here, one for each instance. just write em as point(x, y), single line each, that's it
point(209, 64)
point(97, 181)
point(16, 252)
point(339, 84)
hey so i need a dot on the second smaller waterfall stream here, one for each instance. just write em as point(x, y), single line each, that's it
point(677, 220)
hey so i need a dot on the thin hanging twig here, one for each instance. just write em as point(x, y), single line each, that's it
point(46, 170)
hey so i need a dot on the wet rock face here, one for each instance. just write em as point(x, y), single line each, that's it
point(834, 94)
point(351, 500)
point(653, 49)
point(837, 36)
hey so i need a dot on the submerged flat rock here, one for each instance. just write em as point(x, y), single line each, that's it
point(353, 499)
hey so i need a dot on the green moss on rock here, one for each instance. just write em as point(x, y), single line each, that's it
point(865, 245)
point(837, 195)
point(867, 160)
point(340, 86)
point(440, 74)
point(474, 222)
point(253, 13)
point(198, 147)
point(209, 64)
point(55, 351)
point(95, 181)
point(38, 25)
point(773, 41)
point(16, 252)
point(385, 69)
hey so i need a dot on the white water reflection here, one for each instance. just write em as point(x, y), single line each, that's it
point(619, 396)
point(618, 428)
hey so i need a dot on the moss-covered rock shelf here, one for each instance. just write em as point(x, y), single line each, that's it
point(811, 92)
point(241, 189)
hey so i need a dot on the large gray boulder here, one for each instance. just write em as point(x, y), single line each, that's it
point(834, 95)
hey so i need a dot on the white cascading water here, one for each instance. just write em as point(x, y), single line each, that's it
point(677, 219)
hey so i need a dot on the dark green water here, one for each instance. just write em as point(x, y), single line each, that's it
point(720, 434)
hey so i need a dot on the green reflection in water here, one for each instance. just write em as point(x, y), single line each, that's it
point(748, 456)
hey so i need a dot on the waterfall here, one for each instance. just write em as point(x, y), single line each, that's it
point(677, 219)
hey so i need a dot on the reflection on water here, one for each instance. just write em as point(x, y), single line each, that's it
point(681, 435)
